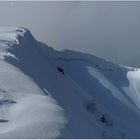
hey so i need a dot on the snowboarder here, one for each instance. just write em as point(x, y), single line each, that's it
point(60, 70)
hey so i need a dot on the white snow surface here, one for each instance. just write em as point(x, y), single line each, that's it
point(134, 86)
point(91, 98)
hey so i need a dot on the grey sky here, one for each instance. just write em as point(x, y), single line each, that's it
point(107, 29)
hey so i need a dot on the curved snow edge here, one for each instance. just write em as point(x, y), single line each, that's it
point(34, 116)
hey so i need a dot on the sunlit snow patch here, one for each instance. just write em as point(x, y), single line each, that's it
point(133, 90)
point(34, 116)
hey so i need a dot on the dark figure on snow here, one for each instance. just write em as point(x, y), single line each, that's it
point(103, 119)
point(60, 70)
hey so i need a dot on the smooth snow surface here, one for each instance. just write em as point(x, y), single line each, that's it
point(34, 116)
point(46, 93)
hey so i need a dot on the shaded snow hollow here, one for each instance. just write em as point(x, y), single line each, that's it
point(46, 93)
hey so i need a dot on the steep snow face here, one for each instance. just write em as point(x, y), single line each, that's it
point(50, 94)
point(107, 100)
point(25, 110)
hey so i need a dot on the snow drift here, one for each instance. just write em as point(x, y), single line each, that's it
point(46, 93)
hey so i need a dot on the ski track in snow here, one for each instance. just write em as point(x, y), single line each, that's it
point(107, 84)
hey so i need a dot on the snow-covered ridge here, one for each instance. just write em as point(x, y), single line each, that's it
point(13, 36)
point(46, 93)
point(25, 110)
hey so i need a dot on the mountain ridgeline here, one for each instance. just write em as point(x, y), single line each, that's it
point(45, 93)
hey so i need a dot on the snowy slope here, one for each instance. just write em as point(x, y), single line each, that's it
point(25, 112)
point(93, 98)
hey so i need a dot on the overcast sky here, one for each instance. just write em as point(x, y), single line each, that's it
point(107, 29)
